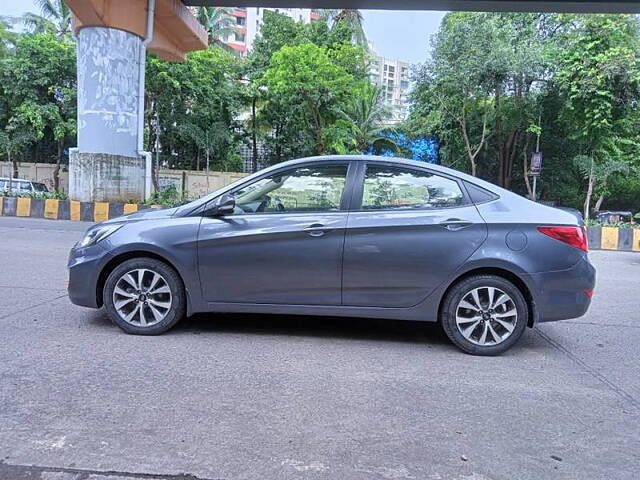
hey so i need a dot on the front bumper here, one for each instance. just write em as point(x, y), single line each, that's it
point(561, 295)
point(85, 266)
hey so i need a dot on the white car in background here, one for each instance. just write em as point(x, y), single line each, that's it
point(19, 185)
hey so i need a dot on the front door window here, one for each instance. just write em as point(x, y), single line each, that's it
point(299, 190)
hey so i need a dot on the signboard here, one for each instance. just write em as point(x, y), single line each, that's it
point(536, 163)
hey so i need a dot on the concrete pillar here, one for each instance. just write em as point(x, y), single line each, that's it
point(107, 165)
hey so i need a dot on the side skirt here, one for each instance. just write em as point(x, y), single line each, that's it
point(418, 313)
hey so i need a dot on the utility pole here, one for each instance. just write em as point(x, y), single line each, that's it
point(157, 147)
point(536, 162)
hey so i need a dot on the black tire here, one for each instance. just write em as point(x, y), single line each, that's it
point(460, 291)
point(175, 295)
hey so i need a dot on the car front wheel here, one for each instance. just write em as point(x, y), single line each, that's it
point(484, 315)
point(144, 296)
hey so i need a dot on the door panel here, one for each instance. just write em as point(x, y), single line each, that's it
point(412, 230)
point(284, 243)
point(396, 259)
point(291, 259)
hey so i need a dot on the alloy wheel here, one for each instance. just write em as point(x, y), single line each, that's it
point(486, 316)
point(142, 297)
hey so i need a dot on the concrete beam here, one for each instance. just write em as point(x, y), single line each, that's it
point(178, 31)
point(560, 6)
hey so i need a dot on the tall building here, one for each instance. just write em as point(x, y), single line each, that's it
point(393, 77)
point(249, 22)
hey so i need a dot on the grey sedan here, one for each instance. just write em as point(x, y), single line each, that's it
point(344, 236)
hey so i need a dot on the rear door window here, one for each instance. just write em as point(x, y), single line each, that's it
point(400, 188)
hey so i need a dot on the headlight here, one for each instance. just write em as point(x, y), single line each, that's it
point(94, 235)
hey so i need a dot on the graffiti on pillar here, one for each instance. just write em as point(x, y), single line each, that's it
point(108, 76)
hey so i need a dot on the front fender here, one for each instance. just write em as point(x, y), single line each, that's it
point(174, 240)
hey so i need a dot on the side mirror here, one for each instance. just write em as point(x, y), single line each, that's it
point(224, 205)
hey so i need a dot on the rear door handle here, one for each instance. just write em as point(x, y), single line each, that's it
point(455, 224)
point(316, 230)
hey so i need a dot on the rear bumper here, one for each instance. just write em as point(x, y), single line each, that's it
point(561, 295)
point(85, 266)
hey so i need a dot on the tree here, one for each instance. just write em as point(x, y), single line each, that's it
point(37, 85)
point(482, 76)
point(197, 104)
point(55, 18)
point(218, 22)
point(599, 77)
point(278, 118)
point(366, 114)
point(7, 37)
point(353, 19)
point(456, 77)
point(13, 140)
point(306, 74)
point(208, 139)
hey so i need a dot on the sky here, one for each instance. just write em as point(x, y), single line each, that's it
point(400, 35)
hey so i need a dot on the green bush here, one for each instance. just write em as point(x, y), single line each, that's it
point(595, 223)
point(168, 197)
point(56, 195)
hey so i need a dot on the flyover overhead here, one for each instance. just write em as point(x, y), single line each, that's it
point(565, 6)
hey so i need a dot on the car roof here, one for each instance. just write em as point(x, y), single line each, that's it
point(398, 161)
point(613, 212)
point(18, 180)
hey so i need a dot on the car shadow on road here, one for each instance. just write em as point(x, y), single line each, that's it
point(427, 334)
point(312, 326)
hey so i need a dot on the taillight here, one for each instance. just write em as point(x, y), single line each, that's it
point(574, 236)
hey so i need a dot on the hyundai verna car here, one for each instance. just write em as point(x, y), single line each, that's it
point(344, 236)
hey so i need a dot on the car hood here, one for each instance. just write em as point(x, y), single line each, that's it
point(146, 214)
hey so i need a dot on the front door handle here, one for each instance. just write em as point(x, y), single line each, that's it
point(316, 230)
point(455, 224)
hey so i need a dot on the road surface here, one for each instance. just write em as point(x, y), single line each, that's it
point(266, 397)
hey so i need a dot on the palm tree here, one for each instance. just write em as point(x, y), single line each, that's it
point(367, 114)
point(351, 17)
point(218, 22)
point(55, 17)
point(7, 37)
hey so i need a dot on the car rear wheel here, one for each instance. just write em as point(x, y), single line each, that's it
point(144, 296)
point(484, 315)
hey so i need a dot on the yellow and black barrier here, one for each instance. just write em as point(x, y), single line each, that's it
point(623, 239)
point(54, 209)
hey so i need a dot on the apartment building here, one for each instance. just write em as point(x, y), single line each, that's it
point(249, 21)
point(393, 77)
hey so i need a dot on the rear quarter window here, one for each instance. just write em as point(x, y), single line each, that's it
point(479, 194)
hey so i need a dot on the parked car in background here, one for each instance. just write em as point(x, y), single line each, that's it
point(345, 236)
point(607, 216)
point(19, 185)
point(574, 211)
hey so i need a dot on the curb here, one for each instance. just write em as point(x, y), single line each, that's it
point(614, 238)
point(66, 209)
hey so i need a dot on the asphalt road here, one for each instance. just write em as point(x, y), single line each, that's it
point(264, 397)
